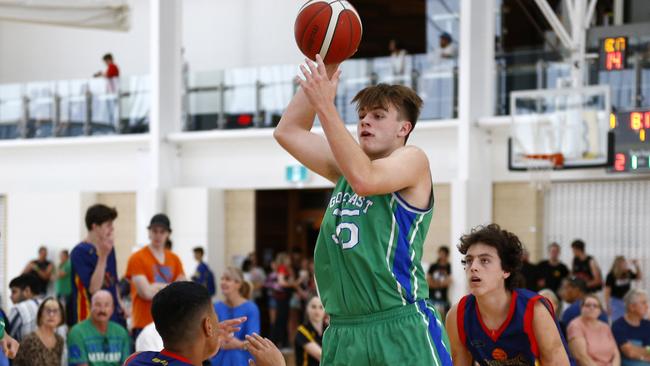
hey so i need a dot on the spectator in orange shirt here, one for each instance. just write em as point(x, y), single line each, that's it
point(150, 269)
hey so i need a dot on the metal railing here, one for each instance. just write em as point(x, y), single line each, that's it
point(222, 99)
point(229, 94)
point(50, 109)
point(630, 88)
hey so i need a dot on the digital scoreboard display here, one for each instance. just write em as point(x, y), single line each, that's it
point(613, 53)
point(631, 141)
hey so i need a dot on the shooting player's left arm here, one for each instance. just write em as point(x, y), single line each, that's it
point(551, 349)
point(405, 168)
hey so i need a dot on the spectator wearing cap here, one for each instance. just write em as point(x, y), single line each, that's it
point(632, 331)
point(573, 291)
point(150, 269)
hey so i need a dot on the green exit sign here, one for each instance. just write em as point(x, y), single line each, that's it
point(297, 174)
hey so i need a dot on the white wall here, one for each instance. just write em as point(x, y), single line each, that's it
point(239, 33)
point(236, 160)
point(54, 220)
point(197, 218)
point(216, 34)
point(93, 164)
point(32, 52)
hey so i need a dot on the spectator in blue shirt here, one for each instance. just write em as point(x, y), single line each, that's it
point(203, 274)
point(632, 331)
point(94, 266)
point(237, 293)
point(573, 291)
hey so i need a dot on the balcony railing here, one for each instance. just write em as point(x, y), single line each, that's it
point(256, 97)
point(221, 99)
point(73, 108)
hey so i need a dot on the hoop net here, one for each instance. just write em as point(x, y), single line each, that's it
point(540, 167)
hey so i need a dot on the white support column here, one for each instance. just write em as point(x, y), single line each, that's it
point(165, 116)
point(472, 189)
point(619, 9)
point(579, 35)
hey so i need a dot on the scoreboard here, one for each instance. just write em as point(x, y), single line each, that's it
point(631, 141)
point(613, 53)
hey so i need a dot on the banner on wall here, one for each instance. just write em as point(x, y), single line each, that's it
point(94, 14)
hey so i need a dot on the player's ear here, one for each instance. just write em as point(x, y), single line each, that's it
point(405, 128)
point(207, 327)
point(506, 275)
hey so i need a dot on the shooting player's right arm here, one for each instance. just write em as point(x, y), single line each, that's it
point(294, 134)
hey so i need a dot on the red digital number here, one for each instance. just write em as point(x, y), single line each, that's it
point(614, 61)
point(619, 163)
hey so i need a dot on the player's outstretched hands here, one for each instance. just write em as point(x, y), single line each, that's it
point(264, 351)
point(230, 326)
point(319, 87)
point(9, 346)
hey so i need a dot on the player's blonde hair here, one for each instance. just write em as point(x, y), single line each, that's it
point(404, 99)
point(235, 274)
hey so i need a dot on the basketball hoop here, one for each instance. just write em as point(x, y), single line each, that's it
point(540, 167)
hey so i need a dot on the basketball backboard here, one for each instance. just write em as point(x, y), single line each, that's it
point(560, 129)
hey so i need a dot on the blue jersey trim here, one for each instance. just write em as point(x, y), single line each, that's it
point(402, 261)
point(436, 334)
point(402, 202)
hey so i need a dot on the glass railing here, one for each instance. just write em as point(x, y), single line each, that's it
point(629, 88)
point(221, 99)
point(256, 97)
point(67, 108)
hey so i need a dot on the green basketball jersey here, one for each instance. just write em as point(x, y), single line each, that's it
point(369, 250)
point(87, 345)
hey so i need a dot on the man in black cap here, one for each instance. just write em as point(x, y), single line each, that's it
point(151, 269)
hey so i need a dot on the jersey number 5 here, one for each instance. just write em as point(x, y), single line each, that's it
point(352, 237)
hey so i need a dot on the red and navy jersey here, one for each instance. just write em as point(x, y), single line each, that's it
point(514, 343)
point(162, 358)
point(83, 259)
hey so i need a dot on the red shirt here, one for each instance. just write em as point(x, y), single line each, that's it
point(112, 71)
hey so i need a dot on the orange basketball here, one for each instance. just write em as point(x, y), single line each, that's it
point(329, 28)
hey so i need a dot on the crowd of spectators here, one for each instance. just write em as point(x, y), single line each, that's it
point(91, 317)
point(604, 322)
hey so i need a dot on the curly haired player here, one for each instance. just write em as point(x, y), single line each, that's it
point(497, 323)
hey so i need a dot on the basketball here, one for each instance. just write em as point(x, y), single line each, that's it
point(329, 28)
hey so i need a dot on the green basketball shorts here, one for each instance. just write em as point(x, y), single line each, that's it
point(410, 335)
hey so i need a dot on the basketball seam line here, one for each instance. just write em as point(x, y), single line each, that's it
point(302, 36)
point(325, 39)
